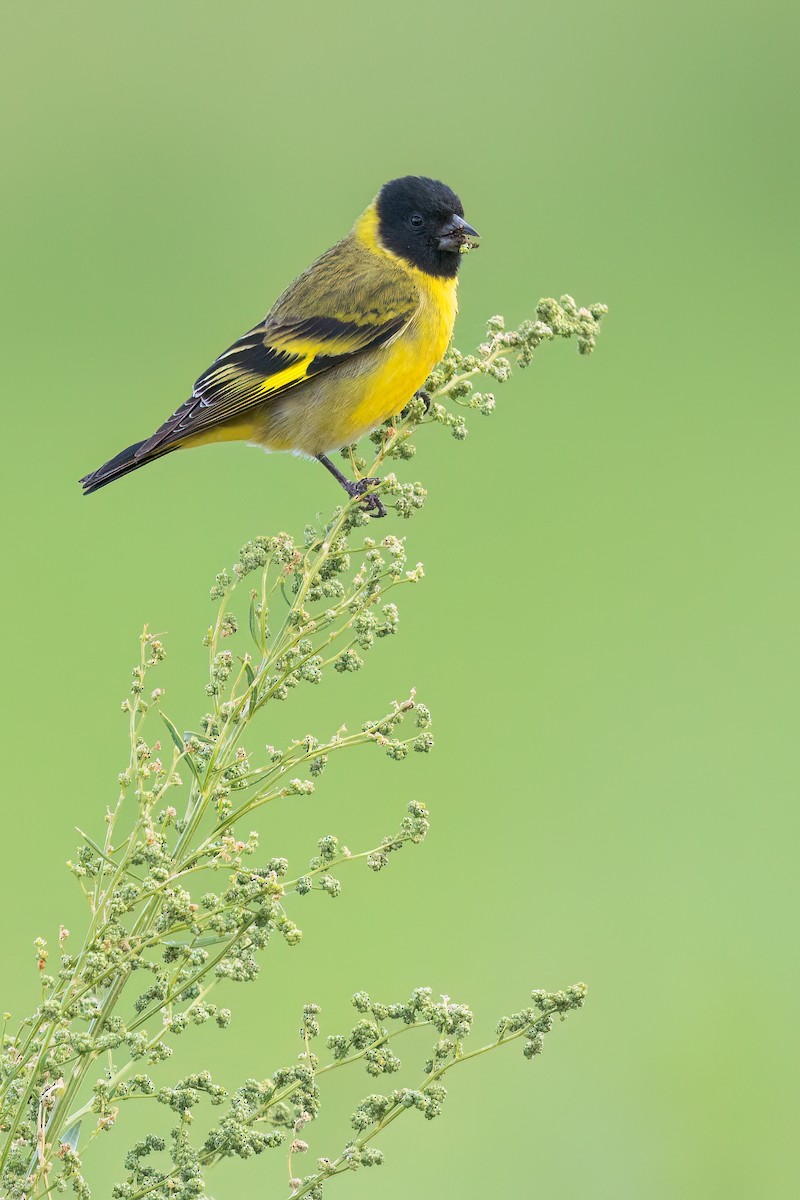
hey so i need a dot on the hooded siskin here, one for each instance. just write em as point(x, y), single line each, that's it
point(345, 347)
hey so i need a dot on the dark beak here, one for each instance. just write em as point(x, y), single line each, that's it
point(456, 233)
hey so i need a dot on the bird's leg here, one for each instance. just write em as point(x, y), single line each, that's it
point(372, 503)
point(420, 395)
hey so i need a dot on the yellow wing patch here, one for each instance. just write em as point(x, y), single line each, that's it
point(350, 301)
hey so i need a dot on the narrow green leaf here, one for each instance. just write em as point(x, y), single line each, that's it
point(173, 732)
point(94, 846)
point(188, 734)
point(180, 742)
point(255, 632)
point(70, 1138)
point(193, 767)
point(193, 941)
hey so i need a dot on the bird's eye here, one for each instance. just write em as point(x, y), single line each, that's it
point(416, 220)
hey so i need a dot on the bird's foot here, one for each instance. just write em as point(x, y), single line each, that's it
point(426, 400)
point(372, 503)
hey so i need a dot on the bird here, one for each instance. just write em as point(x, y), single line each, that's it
point(345, 347)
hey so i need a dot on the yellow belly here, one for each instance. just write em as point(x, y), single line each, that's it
point(338, 406)
point(405, 367)
point(341, 405)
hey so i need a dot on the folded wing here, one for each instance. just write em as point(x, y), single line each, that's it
point(349, 302)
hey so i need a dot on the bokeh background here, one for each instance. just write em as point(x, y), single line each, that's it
point(608, 631)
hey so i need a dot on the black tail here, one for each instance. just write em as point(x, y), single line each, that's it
point(121, 464)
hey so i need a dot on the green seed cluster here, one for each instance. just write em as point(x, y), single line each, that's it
point(179, 894)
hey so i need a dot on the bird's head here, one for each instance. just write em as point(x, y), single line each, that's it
point(422, 221)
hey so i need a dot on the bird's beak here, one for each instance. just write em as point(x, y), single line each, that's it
point(456, 233)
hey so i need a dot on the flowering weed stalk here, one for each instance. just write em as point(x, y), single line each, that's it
point(178, 896)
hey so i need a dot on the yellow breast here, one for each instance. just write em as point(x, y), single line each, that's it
point(405, 364)
point(340, 405)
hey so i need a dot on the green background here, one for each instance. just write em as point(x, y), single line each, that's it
point(607, 635)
